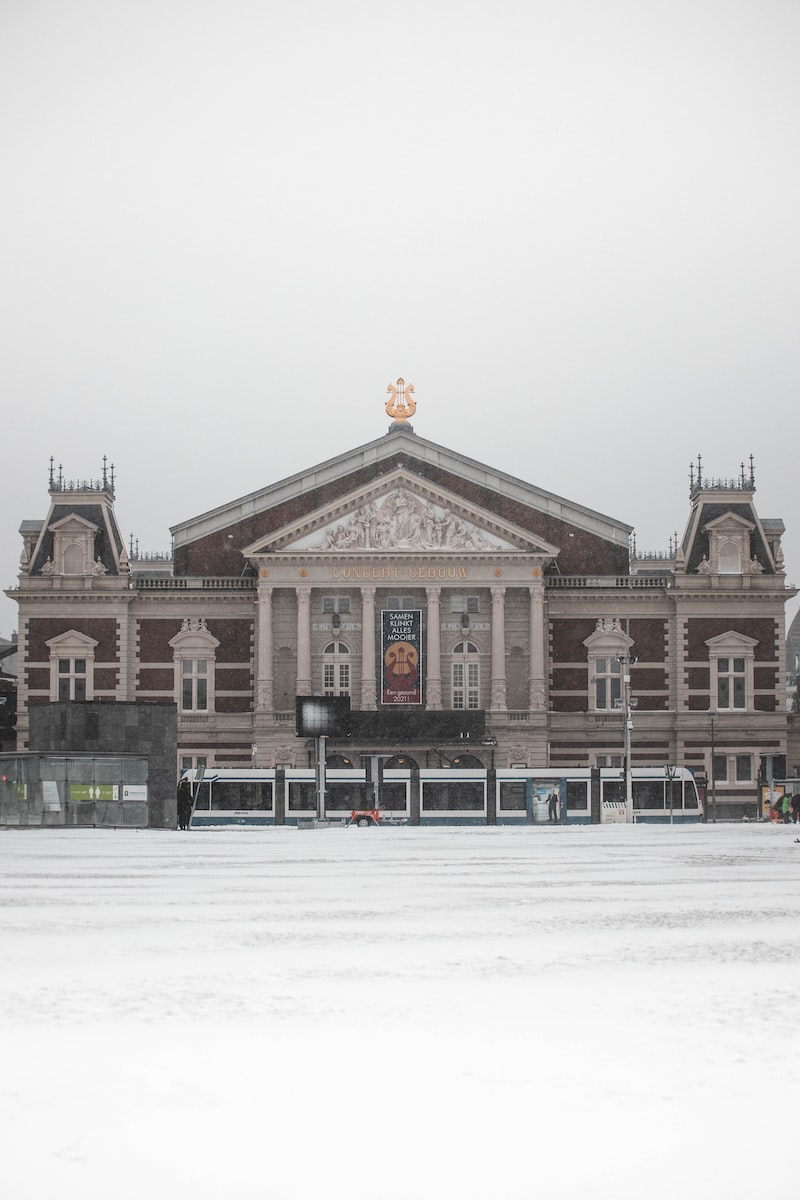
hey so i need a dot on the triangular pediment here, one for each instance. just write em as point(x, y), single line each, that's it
point(74, 524)
point(400, 513)
point(729, 523)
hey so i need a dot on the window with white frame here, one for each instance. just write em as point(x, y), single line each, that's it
point(464, 604)
point(466, 676)
point(719, 768)
point(194, 650)
point(334, 604)
point(402, 602)
point(336, 669)
point(744, 768)
point(608, 760)
point(607, 681)
point(72, 666)
point(193, 762)
point(731, 683)
point(728, 543)
point(731, 657)
point(194, 684)
point(608, 651)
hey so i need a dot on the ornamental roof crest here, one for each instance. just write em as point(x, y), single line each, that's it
point(402, 404)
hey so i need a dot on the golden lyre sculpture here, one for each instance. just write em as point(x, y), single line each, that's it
point(402, 405)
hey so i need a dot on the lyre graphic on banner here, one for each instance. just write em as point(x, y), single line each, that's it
point(401, 656)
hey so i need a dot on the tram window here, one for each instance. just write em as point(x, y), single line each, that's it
point(393, 796)
point(613, 789)
point(453, 797)
point(343, 797)
point(302, 797)
point(648, 793)
point(202, 794)
point(512, 796)
point(242, 794)
point(577, 796)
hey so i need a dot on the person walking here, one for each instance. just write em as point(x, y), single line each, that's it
point(786, 808)
point(796, 807)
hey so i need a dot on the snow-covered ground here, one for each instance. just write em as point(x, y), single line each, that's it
point(406, 1013)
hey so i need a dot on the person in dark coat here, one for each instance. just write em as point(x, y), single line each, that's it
point(184, 804)
point(552, 808)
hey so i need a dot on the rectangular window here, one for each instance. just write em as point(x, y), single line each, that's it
point(731, 683)
point(473, 680)
point(194, 685)
point(72, 675)
point(744, 768)
point(720, 768)
point(458, 685)
point(607, 683)
point(460, 604)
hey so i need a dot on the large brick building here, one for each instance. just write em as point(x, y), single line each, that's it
point(515, 605)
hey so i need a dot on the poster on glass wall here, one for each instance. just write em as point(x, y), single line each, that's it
point(401, 656)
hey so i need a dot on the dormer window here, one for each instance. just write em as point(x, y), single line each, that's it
point(728, 545)
point(730, 558)
point(73, 546)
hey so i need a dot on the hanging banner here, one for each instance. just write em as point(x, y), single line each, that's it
point(401, 656)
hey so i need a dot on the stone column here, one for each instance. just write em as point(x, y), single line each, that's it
point(498, 689)
point(303, 682)
point(536, 680)
point(433, 678)
point(264, 666)
point(369, 694)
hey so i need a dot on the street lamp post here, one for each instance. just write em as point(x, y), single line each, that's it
point(713, 773)
point(626, 736)
point(671, 773)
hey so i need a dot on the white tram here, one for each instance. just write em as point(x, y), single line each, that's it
point(444, 796)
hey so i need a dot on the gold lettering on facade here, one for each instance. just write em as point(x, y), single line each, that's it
point(411, 572)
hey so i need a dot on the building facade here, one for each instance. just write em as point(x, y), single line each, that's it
point(516, 627)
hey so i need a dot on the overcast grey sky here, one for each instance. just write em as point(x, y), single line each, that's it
point(227, 227)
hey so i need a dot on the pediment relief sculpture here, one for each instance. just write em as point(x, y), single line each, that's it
point(401, 521)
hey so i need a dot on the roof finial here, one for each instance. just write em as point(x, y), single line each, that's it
point(402, 405)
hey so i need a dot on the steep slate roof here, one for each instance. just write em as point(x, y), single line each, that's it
point(276, 505)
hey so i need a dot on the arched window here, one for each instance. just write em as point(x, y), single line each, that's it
point(466, 676)
point(74, 560)
point(730, 558)
point(336, 669)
